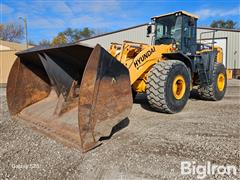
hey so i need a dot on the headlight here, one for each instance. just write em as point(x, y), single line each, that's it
point(174, 46)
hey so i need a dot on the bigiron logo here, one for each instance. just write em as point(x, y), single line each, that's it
point(144, 57)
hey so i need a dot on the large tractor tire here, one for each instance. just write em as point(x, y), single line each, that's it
point(217, 89)
point(168, 86)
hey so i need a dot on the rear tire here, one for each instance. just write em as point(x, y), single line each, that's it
point(160, 90)
point(217, 89)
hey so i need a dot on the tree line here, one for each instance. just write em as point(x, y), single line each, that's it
point(69, 35)
point(15, 33)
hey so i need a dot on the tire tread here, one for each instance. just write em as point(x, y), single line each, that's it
point(156, 85)
point(207, 92)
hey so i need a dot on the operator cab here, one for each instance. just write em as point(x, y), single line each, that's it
point(178, 28)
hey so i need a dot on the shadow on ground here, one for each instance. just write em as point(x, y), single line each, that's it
point(122, 124)
point(142, 100)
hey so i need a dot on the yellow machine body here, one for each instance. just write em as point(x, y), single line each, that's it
point(219, 56)
point(79, 94)
point(139, 58)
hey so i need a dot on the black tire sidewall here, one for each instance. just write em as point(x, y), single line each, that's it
point(174, 104)
point(218, 70)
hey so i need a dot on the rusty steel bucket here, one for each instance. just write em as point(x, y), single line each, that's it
point(73, 93)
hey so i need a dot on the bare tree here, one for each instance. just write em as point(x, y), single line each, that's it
point(11, 32)
point(31, 42)
point(44, 42)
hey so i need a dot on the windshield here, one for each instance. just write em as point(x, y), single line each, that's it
point(168, 29)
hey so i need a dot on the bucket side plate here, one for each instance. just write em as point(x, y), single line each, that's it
point(105, 97)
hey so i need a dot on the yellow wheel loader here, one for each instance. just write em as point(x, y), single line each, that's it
point(76, 94)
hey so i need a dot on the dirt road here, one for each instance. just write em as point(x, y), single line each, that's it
point(149, 145)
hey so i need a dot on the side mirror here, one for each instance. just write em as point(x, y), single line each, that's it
point(149, 29)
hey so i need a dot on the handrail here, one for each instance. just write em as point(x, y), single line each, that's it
point(213, 37)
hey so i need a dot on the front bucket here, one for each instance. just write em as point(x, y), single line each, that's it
point(73, 93)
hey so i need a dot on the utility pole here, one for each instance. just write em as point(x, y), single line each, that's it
point(25, 27)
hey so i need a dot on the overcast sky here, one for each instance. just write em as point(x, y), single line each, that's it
point(47, 18)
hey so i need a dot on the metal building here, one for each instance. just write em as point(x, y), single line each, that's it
point(7, 58)
point(228, 39)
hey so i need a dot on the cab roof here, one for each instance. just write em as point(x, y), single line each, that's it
point(182, 12)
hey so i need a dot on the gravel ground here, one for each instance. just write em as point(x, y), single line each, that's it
point(151, 146)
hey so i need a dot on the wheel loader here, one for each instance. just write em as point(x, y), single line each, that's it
point(76, 93)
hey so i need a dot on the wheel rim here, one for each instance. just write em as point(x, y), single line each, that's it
point(179, 87)
point(221, 82)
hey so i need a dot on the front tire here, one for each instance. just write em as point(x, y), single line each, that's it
point(168, 86)
point(217, 89)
